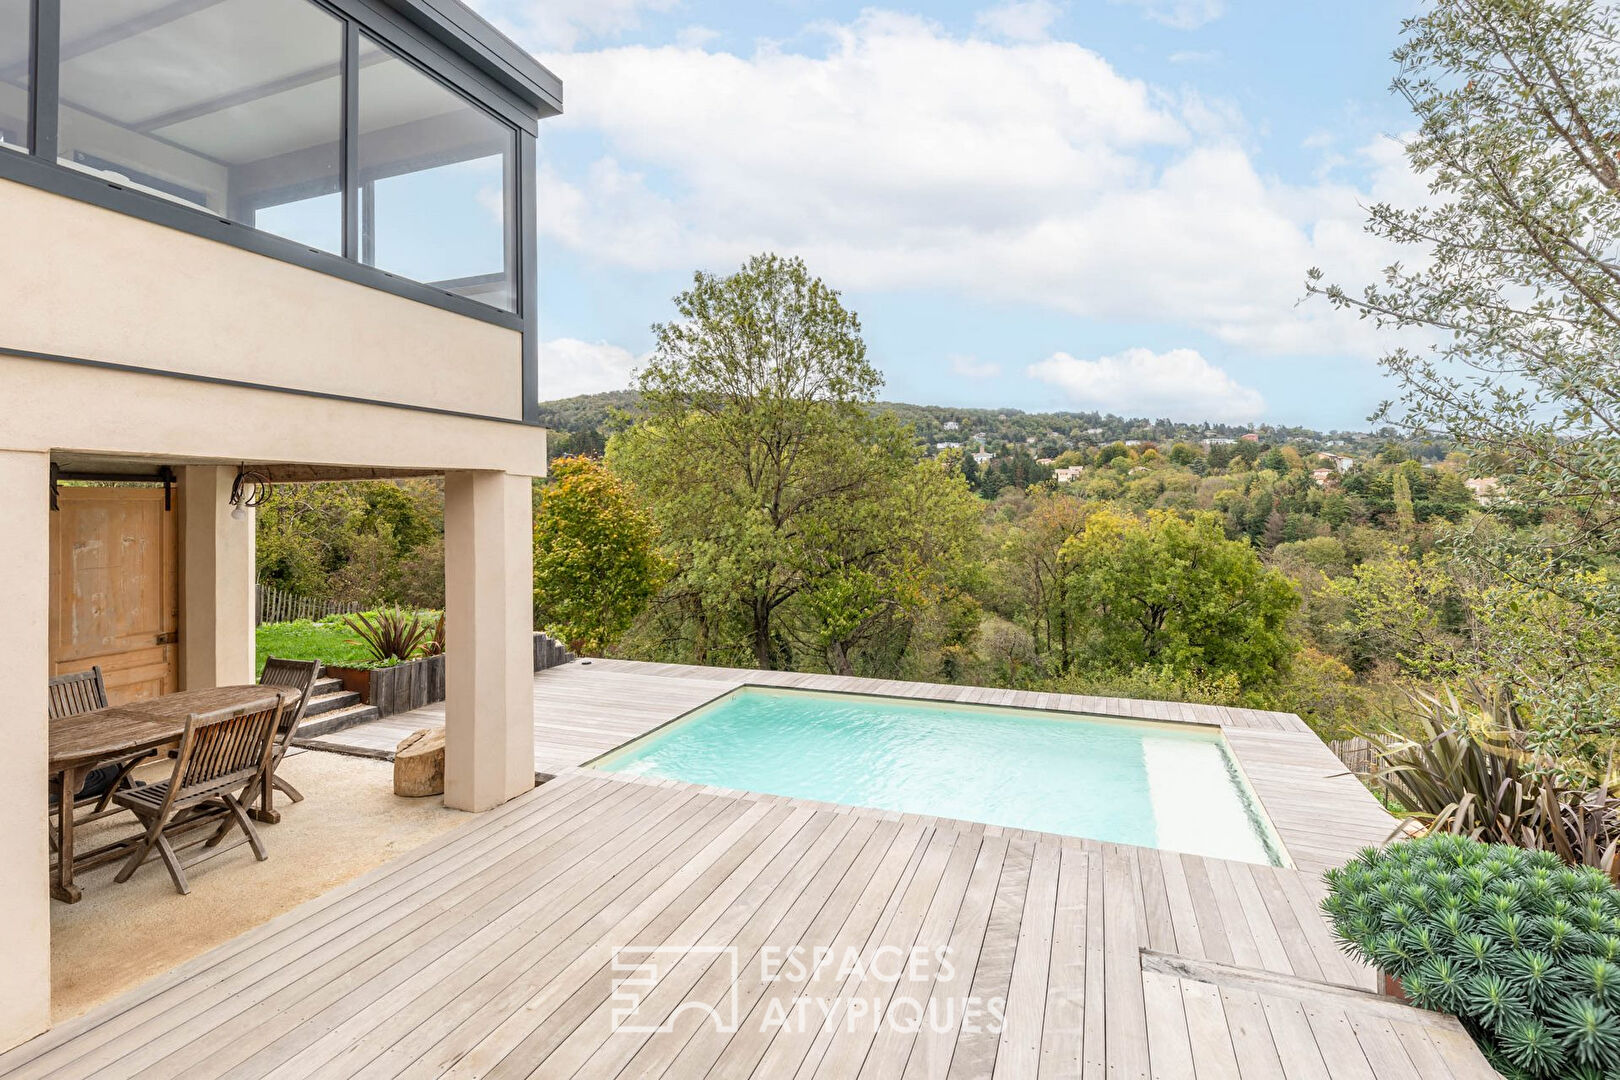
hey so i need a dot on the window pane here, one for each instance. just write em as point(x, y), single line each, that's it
point(15, 46)
point(232, 106)
point(436, 174)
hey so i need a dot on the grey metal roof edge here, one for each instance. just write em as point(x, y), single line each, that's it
point(474, 38)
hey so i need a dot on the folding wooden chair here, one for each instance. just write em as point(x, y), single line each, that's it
point(78, 693)
point(299, 675)
point(222, 756)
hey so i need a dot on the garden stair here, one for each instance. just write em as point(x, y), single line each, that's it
point(332, 708)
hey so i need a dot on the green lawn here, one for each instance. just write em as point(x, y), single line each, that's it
point(327, 640)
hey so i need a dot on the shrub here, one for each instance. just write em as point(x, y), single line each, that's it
point(1524, 950)
point(1464, 769)
point(391, 634)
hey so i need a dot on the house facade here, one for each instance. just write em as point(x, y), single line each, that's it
point(249, 243)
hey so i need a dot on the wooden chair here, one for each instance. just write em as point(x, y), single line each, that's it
point(301, 676)
point(222, 756)
point(78, 693)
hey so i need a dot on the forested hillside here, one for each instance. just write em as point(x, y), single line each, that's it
point(582, 425)
point(719, 516)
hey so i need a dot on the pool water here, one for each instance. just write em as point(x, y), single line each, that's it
point(1159, 785)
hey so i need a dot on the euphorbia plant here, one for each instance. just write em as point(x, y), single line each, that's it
point(1524, 950)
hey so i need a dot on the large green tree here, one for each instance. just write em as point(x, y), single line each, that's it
point(1515, 268)
point(1172, 592)
point(781, 495)
point(878, 569)
point(595, 555)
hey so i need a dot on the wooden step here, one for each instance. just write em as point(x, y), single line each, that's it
point(335, 720)
point(330, 702)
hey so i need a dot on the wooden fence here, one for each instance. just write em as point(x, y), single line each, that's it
point(273, 605)
point(1358, 756)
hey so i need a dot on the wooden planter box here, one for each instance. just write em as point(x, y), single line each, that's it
point(395, 689)
point(421, 682)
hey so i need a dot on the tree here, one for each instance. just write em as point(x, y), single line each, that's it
point(1173, 592)
point(756, 444)
point(595, 558)
point(1516, 270)
point(361, 541)
point(1033, 561)
point(878, 568)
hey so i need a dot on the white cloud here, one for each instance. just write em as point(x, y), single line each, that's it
point(1180, 14)
point(563, 24)
point(1019, 20)
point(971, 367)
point(903, 157)
point(695, 37)
point(1179, 384)
point(569, 367)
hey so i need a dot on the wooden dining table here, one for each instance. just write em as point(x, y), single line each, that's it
point(80, 743)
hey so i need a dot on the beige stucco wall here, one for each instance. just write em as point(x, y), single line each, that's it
point(25, 929)
point(489, 668)
point(216, 581)
point(46, 405)
point(86, 282)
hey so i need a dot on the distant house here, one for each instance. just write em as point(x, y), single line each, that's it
point(1068, 473)
point(951, 425)
point(1339, 461)
point(983, 458)
point(1322, 476)
point(1029, 441)
point(947, 446)
point(1251, 437)
point(1044, 460)
point(1486, 489)
point(1215, 441)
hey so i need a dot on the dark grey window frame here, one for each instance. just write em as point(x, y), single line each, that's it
point(414, 43)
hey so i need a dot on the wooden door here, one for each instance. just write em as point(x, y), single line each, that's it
point(115, 589)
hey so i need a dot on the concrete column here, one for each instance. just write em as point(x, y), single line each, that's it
point(25, 918)
point(489, 655)
point(216, 581)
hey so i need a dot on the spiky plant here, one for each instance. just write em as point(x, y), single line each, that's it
point(1521, 948)
point(391, 634)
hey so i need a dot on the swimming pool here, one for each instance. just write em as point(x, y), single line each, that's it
point(1161, 785)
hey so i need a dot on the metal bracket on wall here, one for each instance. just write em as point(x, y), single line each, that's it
point(162, 475)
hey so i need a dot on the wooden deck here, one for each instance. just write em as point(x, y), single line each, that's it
point(581, 711)
point(1320, 811)
point(492, 952)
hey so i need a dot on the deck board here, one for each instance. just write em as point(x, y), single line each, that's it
point(1321, 813)
point(492, 954)
point(492, 951)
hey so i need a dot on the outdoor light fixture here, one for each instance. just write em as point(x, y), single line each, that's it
point(248, 489)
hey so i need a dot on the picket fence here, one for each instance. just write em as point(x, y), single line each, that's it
point(273, 605)
point(1358, 756)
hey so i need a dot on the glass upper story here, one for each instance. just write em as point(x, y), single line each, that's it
point(287, 116)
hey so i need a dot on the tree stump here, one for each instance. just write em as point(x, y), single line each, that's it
point(419, 764)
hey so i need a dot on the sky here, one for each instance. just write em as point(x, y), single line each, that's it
point(1091, 204)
